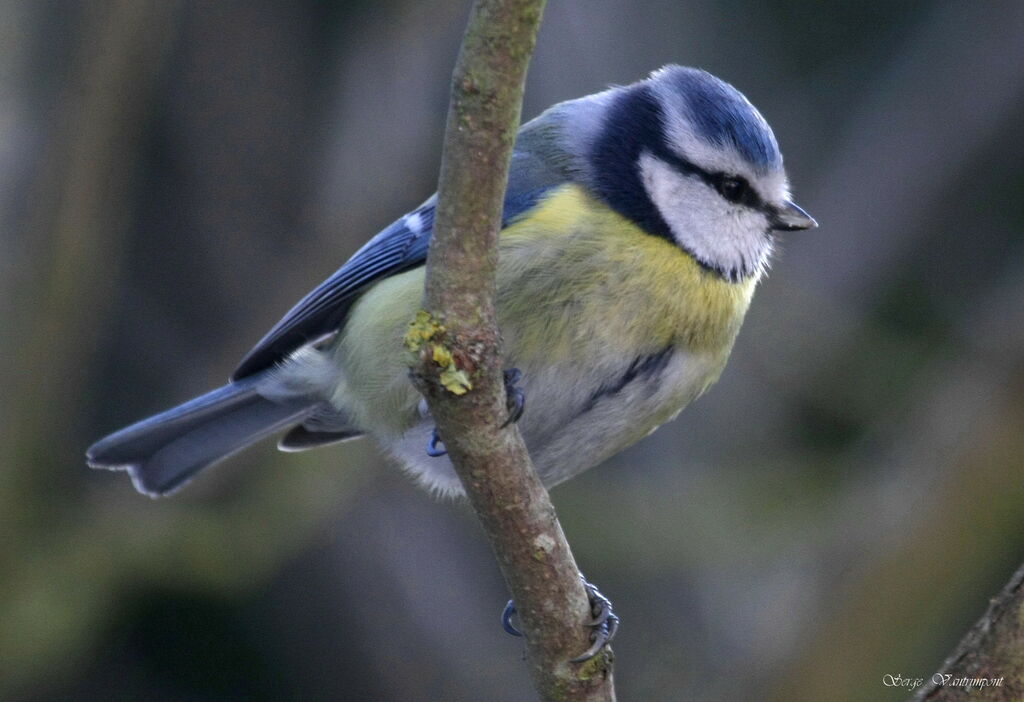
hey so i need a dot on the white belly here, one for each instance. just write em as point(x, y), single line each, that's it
point(577, 417)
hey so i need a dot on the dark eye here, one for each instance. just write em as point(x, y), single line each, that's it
point(733, 189)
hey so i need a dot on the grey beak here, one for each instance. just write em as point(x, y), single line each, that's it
point(790, 218)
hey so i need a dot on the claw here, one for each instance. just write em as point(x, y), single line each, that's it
point(515, 397)
point(432, 448)
point(605, 623)
point(506, 619)
point(602, 637)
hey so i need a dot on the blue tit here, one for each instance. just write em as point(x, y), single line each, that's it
point(636, 225)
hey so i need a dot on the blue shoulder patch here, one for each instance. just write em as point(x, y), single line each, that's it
point(723, 116)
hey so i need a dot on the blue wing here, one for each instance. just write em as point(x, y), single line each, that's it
point(399, 247)
point(538, 164)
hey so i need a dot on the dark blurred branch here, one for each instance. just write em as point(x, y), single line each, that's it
point(82, 210)
point(78, 215)
point(992, 650)
point(460, 368)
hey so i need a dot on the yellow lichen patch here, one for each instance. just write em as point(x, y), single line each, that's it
point(442, 356)
point(455, 381)
point(423, 329)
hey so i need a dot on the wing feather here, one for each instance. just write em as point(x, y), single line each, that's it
point(539, 163)
point(395, 249)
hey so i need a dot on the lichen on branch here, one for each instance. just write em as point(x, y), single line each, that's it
point(426, 339)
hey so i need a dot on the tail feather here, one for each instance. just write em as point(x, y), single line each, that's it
point(163, 452)
point(302, 438)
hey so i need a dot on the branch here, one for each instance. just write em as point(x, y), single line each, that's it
point(459, 367)
point(992, 650)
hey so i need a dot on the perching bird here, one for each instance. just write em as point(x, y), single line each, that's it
point(636, 225)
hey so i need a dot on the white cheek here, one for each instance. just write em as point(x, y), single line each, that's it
point(727, 237)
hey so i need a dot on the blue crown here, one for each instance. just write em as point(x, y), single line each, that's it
point(721, 115)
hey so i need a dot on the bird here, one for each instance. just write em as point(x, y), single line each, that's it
point(637, 223)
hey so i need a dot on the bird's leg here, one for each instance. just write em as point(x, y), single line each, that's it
point(515, 402)
point(515, 398)
point(435, 441)
point(605, 622)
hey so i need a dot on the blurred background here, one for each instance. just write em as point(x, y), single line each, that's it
point(174, 175)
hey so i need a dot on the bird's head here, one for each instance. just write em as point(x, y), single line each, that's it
point(687, 157)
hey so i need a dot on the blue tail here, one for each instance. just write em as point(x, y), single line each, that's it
point(163, 452)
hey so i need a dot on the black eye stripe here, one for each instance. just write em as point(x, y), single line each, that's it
point(737, 190)
point(747, 196)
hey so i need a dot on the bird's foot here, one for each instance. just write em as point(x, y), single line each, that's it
point(515, 402)
point(515, 398)
point(605, 622)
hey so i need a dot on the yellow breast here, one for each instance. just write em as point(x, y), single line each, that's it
point(580, 290)
point(574, 274)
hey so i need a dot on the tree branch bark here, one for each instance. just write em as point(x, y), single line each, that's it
point(459, 368)
point(993, 650)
